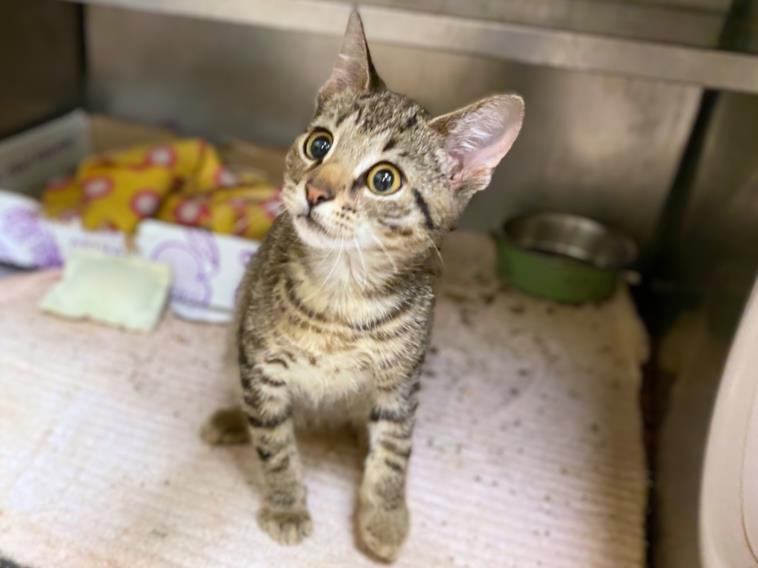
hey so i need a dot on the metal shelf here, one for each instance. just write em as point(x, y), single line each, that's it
point(429, 26)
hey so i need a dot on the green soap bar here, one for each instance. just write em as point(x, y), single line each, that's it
point(127, 292)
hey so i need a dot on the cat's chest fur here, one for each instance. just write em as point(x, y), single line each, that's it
point(330, 346)
point(321, 327)
point(317, 381)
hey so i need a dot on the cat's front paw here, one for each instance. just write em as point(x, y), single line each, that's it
point(285, 526)
point(383, 531)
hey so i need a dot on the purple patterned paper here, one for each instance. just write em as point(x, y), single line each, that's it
point(22, 229)
point(194, 260)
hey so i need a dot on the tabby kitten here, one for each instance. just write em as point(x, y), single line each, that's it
point(336, 308)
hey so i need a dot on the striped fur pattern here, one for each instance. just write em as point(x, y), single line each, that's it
point(336, 308)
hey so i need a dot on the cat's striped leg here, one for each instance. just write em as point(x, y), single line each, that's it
point(283, 513)
point(383, 515)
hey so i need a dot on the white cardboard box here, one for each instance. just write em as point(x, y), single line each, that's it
point(206, 267)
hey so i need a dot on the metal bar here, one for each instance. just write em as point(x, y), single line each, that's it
point(721, 70)
point(664, 22)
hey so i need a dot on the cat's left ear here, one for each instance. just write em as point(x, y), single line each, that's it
point(478, 136)
point(354, 69)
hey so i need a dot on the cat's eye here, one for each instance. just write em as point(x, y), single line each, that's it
point(317, 144)
point(384, 179)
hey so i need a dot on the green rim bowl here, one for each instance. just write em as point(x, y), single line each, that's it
point(563, 257)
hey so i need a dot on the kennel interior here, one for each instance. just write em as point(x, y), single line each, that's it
point(641, 114)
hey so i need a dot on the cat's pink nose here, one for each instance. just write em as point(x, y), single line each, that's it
point(315, 195)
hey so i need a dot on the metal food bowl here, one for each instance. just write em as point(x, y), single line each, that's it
point(563, 257)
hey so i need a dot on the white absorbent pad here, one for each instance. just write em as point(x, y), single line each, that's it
point(124, 291)
point(528, 450)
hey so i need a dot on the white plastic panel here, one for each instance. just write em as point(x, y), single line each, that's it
point(729, 512)
point(30, 159)
point(750, 477)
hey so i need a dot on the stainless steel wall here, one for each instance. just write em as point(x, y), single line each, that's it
point(601, 145)
point(721, 216)
point(718, 258)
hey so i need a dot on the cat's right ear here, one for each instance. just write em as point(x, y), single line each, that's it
point(354, 69)
point(478, 136)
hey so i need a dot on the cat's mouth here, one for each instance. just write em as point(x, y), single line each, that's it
point(312, 223)
point(314, 233)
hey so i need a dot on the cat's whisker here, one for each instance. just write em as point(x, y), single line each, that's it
point(321, 286)
point(363, 262)
point(436, 249)
point(384, 249)
point(336, 263)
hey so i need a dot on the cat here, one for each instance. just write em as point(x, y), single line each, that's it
point(335, 310)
